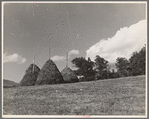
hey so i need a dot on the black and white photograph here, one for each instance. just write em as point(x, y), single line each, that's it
point(79, 59)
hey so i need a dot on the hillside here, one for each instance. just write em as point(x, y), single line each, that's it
point(123, 96)
point(9, 84)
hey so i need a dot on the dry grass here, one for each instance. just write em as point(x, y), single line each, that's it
point(30, 77)
point(69, 76)
point(125, 96)
point(49, 74)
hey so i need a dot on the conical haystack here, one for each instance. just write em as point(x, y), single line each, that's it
point(69, 76)
point(49, 74)
point(31, 75)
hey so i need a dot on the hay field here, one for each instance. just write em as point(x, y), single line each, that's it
point(123, 96)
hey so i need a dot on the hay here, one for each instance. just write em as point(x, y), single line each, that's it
point(30, 77)
point(49, 74)
point(69, 76)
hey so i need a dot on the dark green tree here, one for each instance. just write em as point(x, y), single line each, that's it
point(84, 67)
point(101, 67)
point(138, 62)
point(122, 66)
point(112, 74)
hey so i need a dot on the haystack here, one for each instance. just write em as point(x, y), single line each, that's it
point(31, 75)
point(49, 74)
point(68, 75)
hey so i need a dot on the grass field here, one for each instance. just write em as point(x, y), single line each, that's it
point(124, 96)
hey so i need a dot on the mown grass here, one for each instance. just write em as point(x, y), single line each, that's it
point(125, 96)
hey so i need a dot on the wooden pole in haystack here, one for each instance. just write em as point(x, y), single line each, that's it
point(67, 59)
point(33, 62)
point(70, 35)
point(49, 52)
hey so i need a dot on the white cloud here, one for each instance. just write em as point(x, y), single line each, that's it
point(58, 58)
point(126, 41)
point(14, 58)
point(61, 58)
point(73, 52)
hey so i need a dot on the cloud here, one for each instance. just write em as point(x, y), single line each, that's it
point(61, 58)
point(126, 41)
point(73, 52)
point(14, 58)
point(58, 58)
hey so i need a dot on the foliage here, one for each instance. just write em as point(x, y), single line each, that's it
point(122, 65)
point(137, 62)
point(112, 74)
point(134, 66)
point(101, 67)
point(85, 67)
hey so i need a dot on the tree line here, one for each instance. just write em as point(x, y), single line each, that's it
point(100, 69)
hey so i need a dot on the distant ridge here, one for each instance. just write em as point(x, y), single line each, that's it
point(9, 84)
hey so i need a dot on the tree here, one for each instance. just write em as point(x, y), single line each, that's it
point(85, 67)
point(122, 65)
point(112, 74)
point(101, 67)
point(90, 73)
point(138, 62)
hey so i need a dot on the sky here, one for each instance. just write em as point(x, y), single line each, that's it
point(82, 29)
